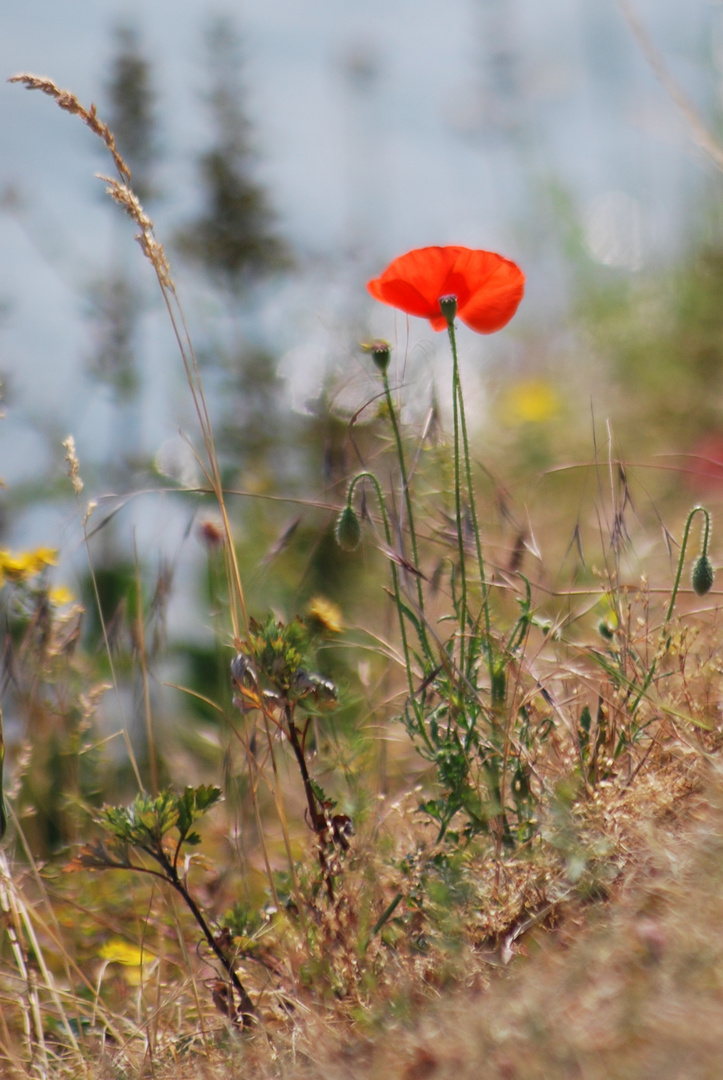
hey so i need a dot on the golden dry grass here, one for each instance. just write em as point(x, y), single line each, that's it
point(617, 975)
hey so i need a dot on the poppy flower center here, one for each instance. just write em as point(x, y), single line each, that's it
point(448, 307)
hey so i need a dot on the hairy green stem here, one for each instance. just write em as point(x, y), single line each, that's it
point(671, 606)
point(461, 422)
point(458, 501)
point(410, 511)
point(683, 546)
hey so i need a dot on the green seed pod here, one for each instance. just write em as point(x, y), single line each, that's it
point(348, 529)
point(448, 307)
point(381, 353)
point(703, 575)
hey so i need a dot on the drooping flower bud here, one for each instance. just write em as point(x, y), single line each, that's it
point(348, 529)
point(703, 575)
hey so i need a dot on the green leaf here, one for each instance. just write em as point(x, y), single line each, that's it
point(321, 795)
point(192, 804)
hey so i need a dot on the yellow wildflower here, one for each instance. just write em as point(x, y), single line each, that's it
point(607, 616)
point(531, 401)
point(324, 615)
point(132, 957)
point(61, 596)
point(23, 565)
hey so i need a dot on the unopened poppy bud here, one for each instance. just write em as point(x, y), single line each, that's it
point(381, 353)
point(348, 529)
point(703, 575)
point(448, 307)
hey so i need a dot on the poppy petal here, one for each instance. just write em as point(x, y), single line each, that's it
point(500, 287)
point(488, 287)
point(403, 295)
point(414, 282)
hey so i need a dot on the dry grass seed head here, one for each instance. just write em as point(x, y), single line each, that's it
point(69, 103)
point(121, 191)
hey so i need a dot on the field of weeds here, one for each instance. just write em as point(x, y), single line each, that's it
point(437, 791)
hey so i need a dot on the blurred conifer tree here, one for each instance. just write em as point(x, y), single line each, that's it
point(132, 114)
point(114, 302)
point(113, 308)
point(234, 242)
point(233, 238)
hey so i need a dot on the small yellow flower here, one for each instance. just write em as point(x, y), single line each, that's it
point(60, 596)
point(23, 565)
point(45, 557)
point(324, 615)
point(132, 957)
point(531, 401)
point(607, 616)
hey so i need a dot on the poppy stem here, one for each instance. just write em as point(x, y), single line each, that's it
point(460, 425)
point(410, 515)
point(458, 506)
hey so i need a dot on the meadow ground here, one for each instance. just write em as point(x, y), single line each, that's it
point(439, 792)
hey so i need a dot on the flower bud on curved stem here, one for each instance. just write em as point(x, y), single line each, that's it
point(703, 569)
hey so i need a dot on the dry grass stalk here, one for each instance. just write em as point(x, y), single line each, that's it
point(121, 192)
point(71, 457)
point(68, 101)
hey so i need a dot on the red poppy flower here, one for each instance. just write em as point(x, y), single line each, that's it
point(487, 286)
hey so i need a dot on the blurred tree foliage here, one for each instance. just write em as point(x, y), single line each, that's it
point(233, 241)
point(233, 238)
point(661, 336)
point(113, 308)
point(115, 304)
point(132, 110)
